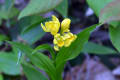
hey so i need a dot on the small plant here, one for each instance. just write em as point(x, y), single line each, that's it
point(65, 37)
point(65, 43)
point(23, 28)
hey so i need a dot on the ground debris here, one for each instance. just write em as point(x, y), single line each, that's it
point(97, 71)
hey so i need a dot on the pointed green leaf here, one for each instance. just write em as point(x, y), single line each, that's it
point(39, 6)
point(28, 23)
point(1, 77)
point(30, 27)
point(38, 59)
point(45, 47)
point(115, 36)
point(94, 48)
point(32, 74)
point(8, 64)
point(68, 53)
point(97, 5)
point(62, 8)
point(33, 34)
point(3, 37)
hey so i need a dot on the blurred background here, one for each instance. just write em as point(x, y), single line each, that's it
point(97, 60)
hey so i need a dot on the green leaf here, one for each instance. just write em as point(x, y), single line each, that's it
point(38, 59)
point(38, 6)
point(43, 61)
point(45, 47)
point(98, 5)
point(0, 21)
point(110, 12)
point(32, 74)
point(8, 63)
point(29, 28)
point(28, 23)
point(8, 10)
point(3, 37)
point(94, 48)
point(68, 53)
point(33, 35)
point(1, 77)
point(62, 8)
point(13, 12)
point(115, 36)
point(8, 4)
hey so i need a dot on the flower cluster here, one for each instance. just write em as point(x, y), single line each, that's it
point(65, 37)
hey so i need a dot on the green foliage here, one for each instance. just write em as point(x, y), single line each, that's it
point(74, 50)
point(38, 59)
point(93, 48)
point(54, 67)
point(0, 21)
point(32, 73)
point(115, 36)
point(62, 8)
point(7, 9)
point(3, 37)
point(8, 64)
point(33, 35)
point(1, 77)
point(38, 6)
point(27, 23)
point(45, 47)
point(109, 12)
point(97, 7)
point(29, 28)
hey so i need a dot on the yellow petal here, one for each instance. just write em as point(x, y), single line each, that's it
point(65, 25)
point(58, 40)
point(67, 43)
point(57, 35)
point(75, 37)
point(52, 26)
point(55, 41)
point(54, 18)
point(55, 29)
point(56, 48)
point(60, 43)
point(49, 25)
point(66, 36)
point(56, 26)
point(68, 39)
point(43, 27)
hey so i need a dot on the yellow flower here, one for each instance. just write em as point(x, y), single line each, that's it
point(54, 18)
point(65, 37)
point(58, 40)
point(56, 48)
point(68, 38)
point(52, 26)
point(65, 25)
